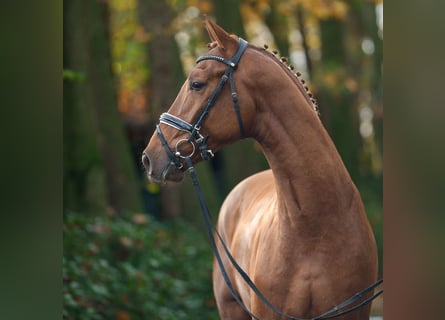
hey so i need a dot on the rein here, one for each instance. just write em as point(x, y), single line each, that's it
point(206, 154)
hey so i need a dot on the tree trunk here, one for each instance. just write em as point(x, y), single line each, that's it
point(338, 111)
point(166, 78)
point(278, 25)
point(96, 151)
point(228, 16)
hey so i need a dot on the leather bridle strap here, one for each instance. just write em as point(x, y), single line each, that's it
point(175, 122)
point(209, 227)
point(231, 66)
point(335, 312)
point(174, 159)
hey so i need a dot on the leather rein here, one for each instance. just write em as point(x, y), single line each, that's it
point(200, 140)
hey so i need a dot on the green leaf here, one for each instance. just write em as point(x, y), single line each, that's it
point(75, 76)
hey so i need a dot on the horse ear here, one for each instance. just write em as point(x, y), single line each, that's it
point(218, 35)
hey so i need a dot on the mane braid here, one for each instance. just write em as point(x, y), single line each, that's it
point(301, 83)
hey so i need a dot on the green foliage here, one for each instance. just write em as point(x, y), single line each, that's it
point(74, 76)
point(131, 267)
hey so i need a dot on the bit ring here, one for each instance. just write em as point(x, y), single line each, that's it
point(179, 143)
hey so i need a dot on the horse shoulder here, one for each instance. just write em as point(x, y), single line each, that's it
point(242, 204)
point(244, 215)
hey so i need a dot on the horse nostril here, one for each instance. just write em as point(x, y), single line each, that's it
point(146, 163)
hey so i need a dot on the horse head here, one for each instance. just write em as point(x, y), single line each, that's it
point(206, 114)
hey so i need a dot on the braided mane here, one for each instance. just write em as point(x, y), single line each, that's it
point(296, 75)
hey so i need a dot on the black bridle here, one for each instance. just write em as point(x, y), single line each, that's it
point(194, 129)
point(206, 154)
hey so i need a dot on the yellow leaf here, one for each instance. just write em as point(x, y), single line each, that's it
point(339, 9)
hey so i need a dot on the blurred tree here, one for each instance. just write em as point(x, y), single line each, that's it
point(277, 20)
point(347, 75)
point(337, 106)
point(98, 171)
point(227, 13)
point(300, 15)
point(157, 17)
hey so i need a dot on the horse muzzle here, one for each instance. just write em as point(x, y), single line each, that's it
point(161, 170)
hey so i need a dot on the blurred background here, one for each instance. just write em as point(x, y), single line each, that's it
point(133, 249)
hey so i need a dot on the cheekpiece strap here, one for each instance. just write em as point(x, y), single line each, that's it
point(231, 65)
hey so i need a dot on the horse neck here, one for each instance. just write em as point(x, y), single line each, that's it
point(309, 174)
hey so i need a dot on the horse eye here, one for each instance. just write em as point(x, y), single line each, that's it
point(196, 85)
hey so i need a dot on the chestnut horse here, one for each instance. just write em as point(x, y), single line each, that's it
point(299, 230)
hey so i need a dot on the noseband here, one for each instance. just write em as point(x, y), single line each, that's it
point(194, 129)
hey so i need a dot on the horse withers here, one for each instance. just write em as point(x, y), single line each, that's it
point(299, 230)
